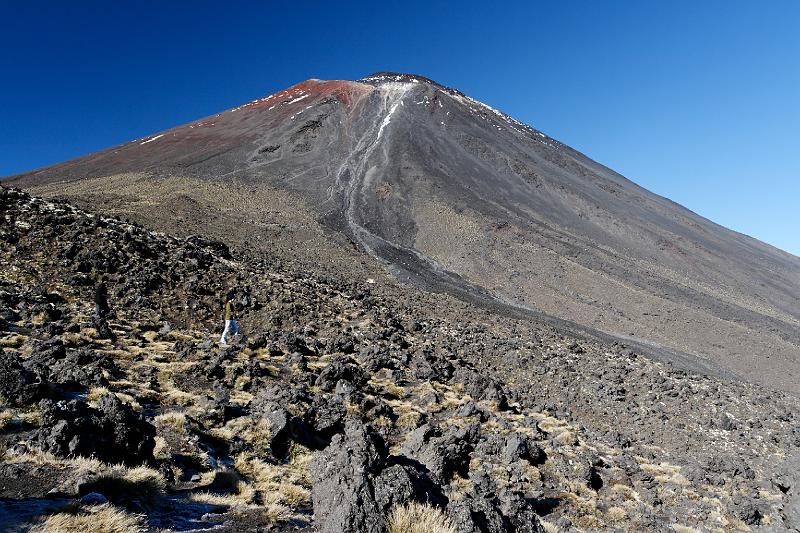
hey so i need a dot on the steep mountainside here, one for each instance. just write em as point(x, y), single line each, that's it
point(460, 198)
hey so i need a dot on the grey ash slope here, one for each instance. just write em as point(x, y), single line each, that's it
point(461, 198)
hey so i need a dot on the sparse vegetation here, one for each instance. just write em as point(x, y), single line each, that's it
point(101, 518)
point(415, 517)
point(444, 419)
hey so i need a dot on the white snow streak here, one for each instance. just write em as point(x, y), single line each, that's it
point(387, 119)
point(298, 99)
point(151, 139)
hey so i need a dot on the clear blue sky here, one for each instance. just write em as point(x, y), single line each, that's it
point(696, 100)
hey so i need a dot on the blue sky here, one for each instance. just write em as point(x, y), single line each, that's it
point(696, 101)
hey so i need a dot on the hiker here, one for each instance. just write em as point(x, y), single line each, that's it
point(101, 308)
point(230, 322)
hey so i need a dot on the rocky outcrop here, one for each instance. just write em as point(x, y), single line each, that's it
point(111, 432)
point(343, 476)
point(443, 452)
point(357, 484)
point(18, 385)
point(56, 364)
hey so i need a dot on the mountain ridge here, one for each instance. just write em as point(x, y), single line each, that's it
point(478, 203)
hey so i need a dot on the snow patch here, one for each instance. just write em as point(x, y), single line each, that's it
point(298, 99)
point(387, 119)
point(151, 139)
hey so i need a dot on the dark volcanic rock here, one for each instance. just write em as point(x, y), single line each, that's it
point(18, 385)
point(442, 453)
point(521, 447)
point(405, 481)
point(327, 414)
point(343, 492)
point(113, 432)
point(341, 369)
point(53, 363)
point(487, 513)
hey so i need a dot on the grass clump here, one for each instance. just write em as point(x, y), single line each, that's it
point(98, 518)
point(415, 517)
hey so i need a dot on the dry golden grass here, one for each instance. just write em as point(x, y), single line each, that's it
point(29, 415)
point(452, 400)
point(666, 473)
point(627, 493)
point(173, 420)
point(99, 518)
point(616, 514)
point(35, 457)
point(120, 483)
point(6, 416)
point(129, 400)
point(548, 424)
point(458, 487)
point(94, 395)
point(161, 450)
point(256, 433)
point(13, 341)
point(394, 389)
point(684, 529)
point(380, 421)
point(242, 498)
point(415, 517)
point(125, 481)
point(174, 396)
point(286, 485)
point(275, 512)
point(409, 420)
point(549, 527)
point(150, 336)
point(39, 318)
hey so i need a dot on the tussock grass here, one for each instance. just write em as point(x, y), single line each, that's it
point(626, 492)
point(99, 518)
point(36, 457)
point(666, 473)
point(150, 336)
point(616, 514)
point(173, 396)
point(162, 449)
point(380, 421)
point(393, 389)
point(255, 433)
point(409, 421)
point(415, 517)
point(114, 481)
point(13, 341)
point(286, 485)
point(6, 416)
point(94, 395)
point(173, 420)
point(27, 415)
point(242, 498)
point(458, 487)
point(129, 400)
point(121, 484)
point(553, 425)
point(683, 529)
point(276, 512)
point(452, 400)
